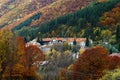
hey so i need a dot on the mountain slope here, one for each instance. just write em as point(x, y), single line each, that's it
point(52, 10)
point(7, 5)
point(81, 23)
point(14, 10)
point(59, 8)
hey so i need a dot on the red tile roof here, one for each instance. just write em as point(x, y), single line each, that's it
point(67, 39)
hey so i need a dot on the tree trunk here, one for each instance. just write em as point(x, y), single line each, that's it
point(3, 69)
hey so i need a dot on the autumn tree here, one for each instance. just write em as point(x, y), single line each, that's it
point(91, 64)
point(20, 46)
point(106, 34)
point(33, 54)
point(111, 18)
point(17, 59)
point(112, 75)
point(7, 51)
point(97, 33)
point(15, 70)
point(114, 62)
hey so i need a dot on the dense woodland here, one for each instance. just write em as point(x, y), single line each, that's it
point(17, 61)
point(95, 21)
point(99, 21)
point(50, 9)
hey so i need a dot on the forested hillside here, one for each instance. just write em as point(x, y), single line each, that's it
point(59, 39)
point(59, 8)
point(82, 23)
point(14, 10)
point(50, 9)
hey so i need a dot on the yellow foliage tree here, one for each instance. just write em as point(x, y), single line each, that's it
point(7, 50)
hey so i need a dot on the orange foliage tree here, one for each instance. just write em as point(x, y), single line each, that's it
point(111, 18)
point(20, 62)
point(20, 46)
point(91, 64)
point(32, 55)
point(114, 62)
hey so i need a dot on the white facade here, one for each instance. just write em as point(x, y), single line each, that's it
point(33, 42)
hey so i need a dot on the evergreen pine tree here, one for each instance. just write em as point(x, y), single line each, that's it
point(118, 34)
point(39, 38)
point(74, 42)
point(87, 42)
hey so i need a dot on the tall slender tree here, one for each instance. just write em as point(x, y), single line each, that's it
point(118, 33)
point(118, 36)
point(87, 44)
point(7, 51)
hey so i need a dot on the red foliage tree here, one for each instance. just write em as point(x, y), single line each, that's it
point(114, 62)
point(91, 64)
point(33, 54)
